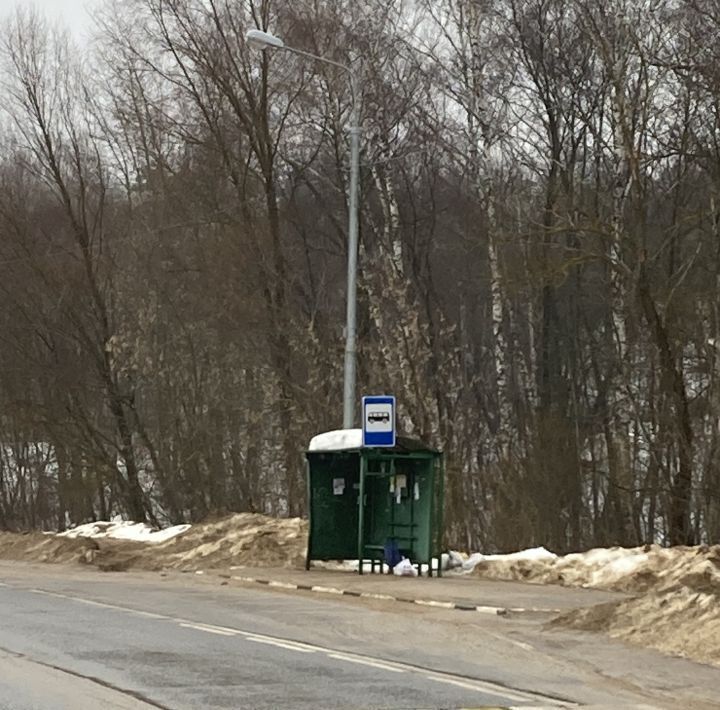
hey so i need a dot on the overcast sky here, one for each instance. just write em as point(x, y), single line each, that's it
point(73, 13)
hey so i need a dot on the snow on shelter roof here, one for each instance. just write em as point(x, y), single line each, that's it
point(352, 439)
point(337, 440)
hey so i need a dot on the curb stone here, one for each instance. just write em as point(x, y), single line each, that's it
point(496, 610)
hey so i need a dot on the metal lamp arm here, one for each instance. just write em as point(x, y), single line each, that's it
point(350, 359)
point(317, 58)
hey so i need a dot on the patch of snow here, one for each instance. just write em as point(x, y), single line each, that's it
point(531, 554)
point(471, 562)
point(616, 569)
point(601, 555)
point(380, 567)
point(347, 565)
point(125, 530)
point(338, 440)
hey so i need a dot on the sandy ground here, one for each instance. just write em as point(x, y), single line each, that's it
point(670, 601)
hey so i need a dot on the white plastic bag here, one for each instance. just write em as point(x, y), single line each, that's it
point(452, 560)
point(404, 568)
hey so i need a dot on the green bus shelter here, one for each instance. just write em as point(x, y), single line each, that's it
point(361, 500)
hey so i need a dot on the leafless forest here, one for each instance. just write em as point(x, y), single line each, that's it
point(539, 259)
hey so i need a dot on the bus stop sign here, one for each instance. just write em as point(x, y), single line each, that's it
point(378, 421)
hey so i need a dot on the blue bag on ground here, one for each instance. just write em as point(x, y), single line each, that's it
point(392, 553)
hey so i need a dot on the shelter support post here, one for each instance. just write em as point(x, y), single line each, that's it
point(361, 513)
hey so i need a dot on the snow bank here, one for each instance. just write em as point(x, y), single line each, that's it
point(468, 564)
point(244, 538)
point(250, 539)
point(337, 440)
point(241, 539)
point(677, 611)
point(124, 530)
point(675, 591)
point(615, 568)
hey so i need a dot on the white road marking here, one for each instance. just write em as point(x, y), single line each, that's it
point(288, 642)
point(225, 629)
point(280, 644)
point(208, 629)
point(91, 602)
point(483, 687)
point(452, 681)
point(507, 639)
point(521, 644)
point(149, 614)
point(469, 683)
point(373, 664)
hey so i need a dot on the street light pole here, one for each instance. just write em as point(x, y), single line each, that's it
point(353, 210)
point(265, 40)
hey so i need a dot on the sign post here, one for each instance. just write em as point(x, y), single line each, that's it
point(378, 417)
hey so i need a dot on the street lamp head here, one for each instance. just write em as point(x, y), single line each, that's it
point(263, 40)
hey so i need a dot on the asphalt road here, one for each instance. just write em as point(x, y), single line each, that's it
point(83, 639)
